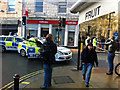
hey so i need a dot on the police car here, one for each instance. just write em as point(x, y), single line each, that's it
point(30, 49)
point(10, 42)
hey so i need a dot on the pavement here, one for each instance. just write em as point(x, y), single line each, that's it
point(70, 77)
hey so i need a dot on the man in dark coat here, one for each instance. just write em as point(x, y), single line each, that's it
point(88, 57)
point(48, 57)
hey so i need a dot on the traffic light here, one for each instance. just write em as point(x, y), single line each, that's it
point(24, 20)
point(63, 22)
point(59, 23)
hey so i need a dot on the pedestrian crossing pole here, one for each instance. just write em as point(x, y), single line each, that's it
point(79, 45)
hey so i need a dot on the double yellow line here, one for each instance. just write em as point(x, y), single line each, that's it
point(9, 85)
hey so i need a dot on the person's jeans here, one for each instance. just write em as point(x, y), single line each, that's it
point(47, 74)
point(102, 46)
point(88, 68)
point(110, 61)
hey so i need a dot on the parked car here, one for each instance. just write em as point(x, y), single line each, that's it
point(10, 42)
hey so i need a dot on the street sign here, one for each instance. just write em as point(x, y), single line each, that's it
point(116, 34)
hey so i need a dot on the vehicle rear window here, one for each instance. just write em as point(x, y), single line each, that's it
point(18, 40)
point(9, 39)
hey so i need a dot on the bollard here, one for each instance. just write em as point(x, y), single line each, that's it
point(16, 81)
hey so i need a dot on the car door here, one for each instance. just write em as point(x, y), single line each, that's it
point(16, 42)
point(9, 43)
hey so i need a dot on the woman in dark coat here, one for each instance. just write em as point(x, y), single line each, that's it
point(88, 57)
point(49, 49)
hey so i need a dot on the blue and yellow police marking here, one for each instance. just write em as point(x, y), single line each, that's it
point(37, 50)
point(8, 43)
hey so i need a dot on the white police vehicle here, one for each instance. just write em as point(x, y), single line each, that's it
point(30, 49)
point(10, 42)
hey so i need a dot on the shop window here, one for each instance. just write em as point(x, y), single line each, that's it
point(11, 5)
point(62, 7)
point(39, 6)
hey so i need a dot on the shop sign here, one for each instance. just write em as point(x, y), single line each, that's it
point(42, 22)
point(71, 22)
point(50, 22)
point(92, 13)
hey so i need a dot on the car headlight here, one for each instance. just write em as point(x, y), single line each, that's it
point(59, 52)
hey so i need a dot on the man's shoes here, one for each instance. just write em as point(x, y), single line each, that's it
point(49, 85)
point(43, 87)
point(109, 73)
point(87, 85)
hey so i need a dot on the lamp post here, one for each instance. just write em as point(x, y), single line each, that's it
point(109, 25)
point(79, 45)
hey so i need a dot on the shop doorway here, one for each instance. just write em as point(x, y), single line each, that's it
point(71, 38)
point(44, 32)
point(33, 33)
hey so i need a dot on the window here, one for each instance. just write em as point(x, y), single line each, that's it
point(3, 38)
point(11, 5)
point(62, 7)
point(18, 40)
point(39, 6)
point(9, 39)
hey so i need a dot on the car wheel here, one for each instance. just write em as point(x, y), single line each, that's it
point(3, 49)
point(23, 53)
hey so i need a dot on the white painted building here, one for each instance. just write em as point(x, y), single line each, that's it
point(101, 15)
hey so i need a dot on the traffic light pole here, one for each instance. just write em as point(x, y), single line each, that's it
point(24, 31)
point(24, 23)
point(58, 34)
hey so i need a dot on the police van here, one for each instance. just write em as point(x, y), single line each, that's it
point(10, 42)
point(31, 50)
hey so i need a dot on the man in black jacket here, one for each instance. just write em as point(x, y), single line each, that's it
point(88, 57)
point(48, 54)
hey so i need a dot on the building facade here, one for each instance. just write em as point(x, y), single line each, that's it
point(10, 16)
point(99, 19)
point(43, 17)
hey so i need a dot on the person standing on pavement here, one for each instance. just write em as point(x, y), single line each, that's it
point(15, 35)
point(112, 46)
point(103, 41)
point(95, 43)
point(88, 57)
point(87, 41)
point(49, 49)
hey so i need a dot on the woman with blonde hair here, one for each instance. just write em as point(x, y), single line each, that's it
point(49, 51)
